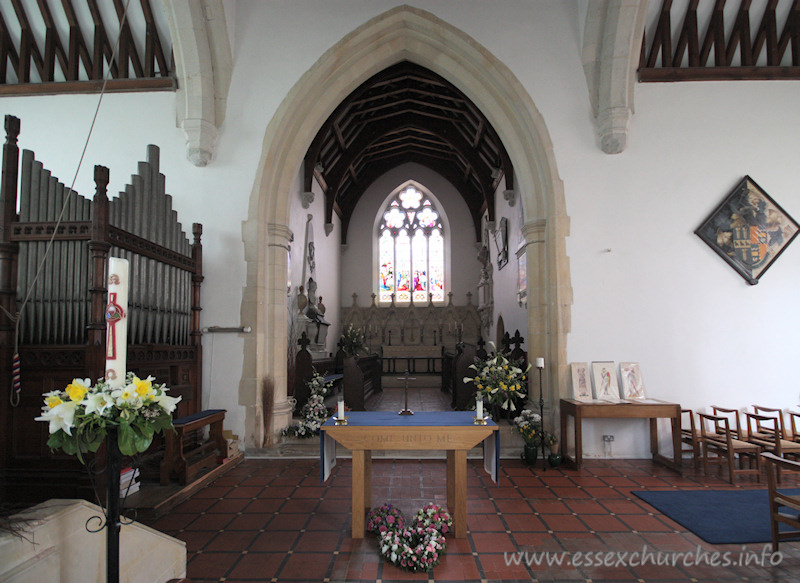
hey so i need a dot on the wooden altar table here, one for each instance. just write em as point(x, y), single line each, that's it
point(452, 431)
point(652, 409)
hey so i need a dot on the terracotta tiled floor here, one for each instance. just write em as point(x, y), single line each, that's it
point(272, 520)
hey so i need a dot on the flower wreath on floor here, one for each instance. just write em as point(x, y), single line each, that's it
point(418, 546)
point(314, 412)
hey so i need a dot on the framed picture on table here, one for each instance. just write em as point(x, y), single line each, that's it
point(606, 386)
point(581, 381)
point(632, 384)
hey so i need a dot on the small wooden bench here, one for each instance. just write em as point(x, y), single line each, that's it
point(184, 465)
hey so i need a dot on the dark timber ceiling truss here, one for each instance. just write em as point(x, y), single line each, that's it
point(66, 47)
point(770, 50)
point(406, 113)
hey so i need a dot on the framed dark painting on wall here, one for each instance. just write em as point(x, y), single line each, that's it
point(749, 230)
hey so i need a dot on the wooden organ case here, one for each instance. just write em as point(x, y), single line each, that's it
point(62, 330)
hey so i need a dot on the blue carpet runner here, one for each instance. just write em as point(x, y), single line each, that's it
point(718, 516)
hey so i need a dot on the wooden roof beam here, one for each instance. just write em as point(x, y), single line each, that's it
point(126, 50)
point(662, 40)
point(715, 36)
point(7, 51)
point(740, 37)
point(791, 32)
point(76, 46)
point(412, 120)
point(153, 51)
point(28, 50)
point(689, 38)
point(52, 45)
point(768, 34)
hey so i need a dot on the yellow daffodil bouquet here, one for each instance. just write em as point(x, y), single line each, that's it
point(81, 414)
point(499, 381)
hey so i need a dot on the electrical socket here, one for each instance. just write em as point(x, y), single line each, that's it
point(608, 438)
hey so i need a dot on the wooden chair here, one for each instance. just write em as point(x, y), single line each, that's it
point(794, 422)
point(716, 437)
point(777, 413)
point(777, 500)
point(690, 437)
point(764, 431)
point(734, 421)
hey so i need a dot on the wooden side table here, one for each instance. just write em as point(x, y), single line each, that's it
point(651, 409)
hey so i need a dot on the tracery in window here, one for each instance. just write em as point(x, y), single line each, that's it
point(410, 249)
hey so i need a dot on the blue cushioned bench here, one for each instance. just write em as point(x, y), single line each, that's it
point(185, 464)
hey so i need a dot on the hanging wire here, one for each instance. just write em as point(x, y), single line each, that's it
point(16, 385)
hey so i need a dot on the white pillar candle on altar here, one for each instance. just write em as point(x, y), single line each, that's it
point(341, 409)
point(540, 362)
point(117, 321)
point(479, 409)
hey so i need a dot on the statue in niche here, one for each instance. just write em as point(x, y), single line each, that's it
point(321, 307)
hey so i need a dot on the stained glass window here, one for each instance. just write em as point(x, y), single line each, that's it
point(410, 249)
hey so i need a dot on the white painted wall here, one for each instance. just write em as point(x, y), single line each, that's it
point(660, 297)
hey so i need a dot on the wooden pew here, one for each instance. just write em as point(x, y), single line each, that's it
point(362, 378)
point(185, 464)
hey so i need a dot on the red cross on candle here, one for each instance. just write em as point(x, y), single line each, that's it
point(114, 313)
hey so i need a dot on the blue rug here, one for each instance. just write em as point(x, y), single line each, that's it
point(717, 516)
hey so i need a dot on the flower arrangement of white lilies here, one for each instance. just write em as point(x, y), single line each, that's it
point(499, 381)
point(81, 414)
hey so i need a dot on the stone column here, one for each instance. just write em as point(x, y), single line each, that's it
point(275, 357)
point(264, 374)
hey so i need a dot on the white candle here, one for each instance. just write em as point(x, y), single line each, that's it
point(117, 321)
point(540, 362)
point(341, 408)
point(479, 409)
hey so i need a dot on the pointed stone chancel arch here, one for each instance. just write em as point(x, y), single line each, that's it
point(403, 33)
